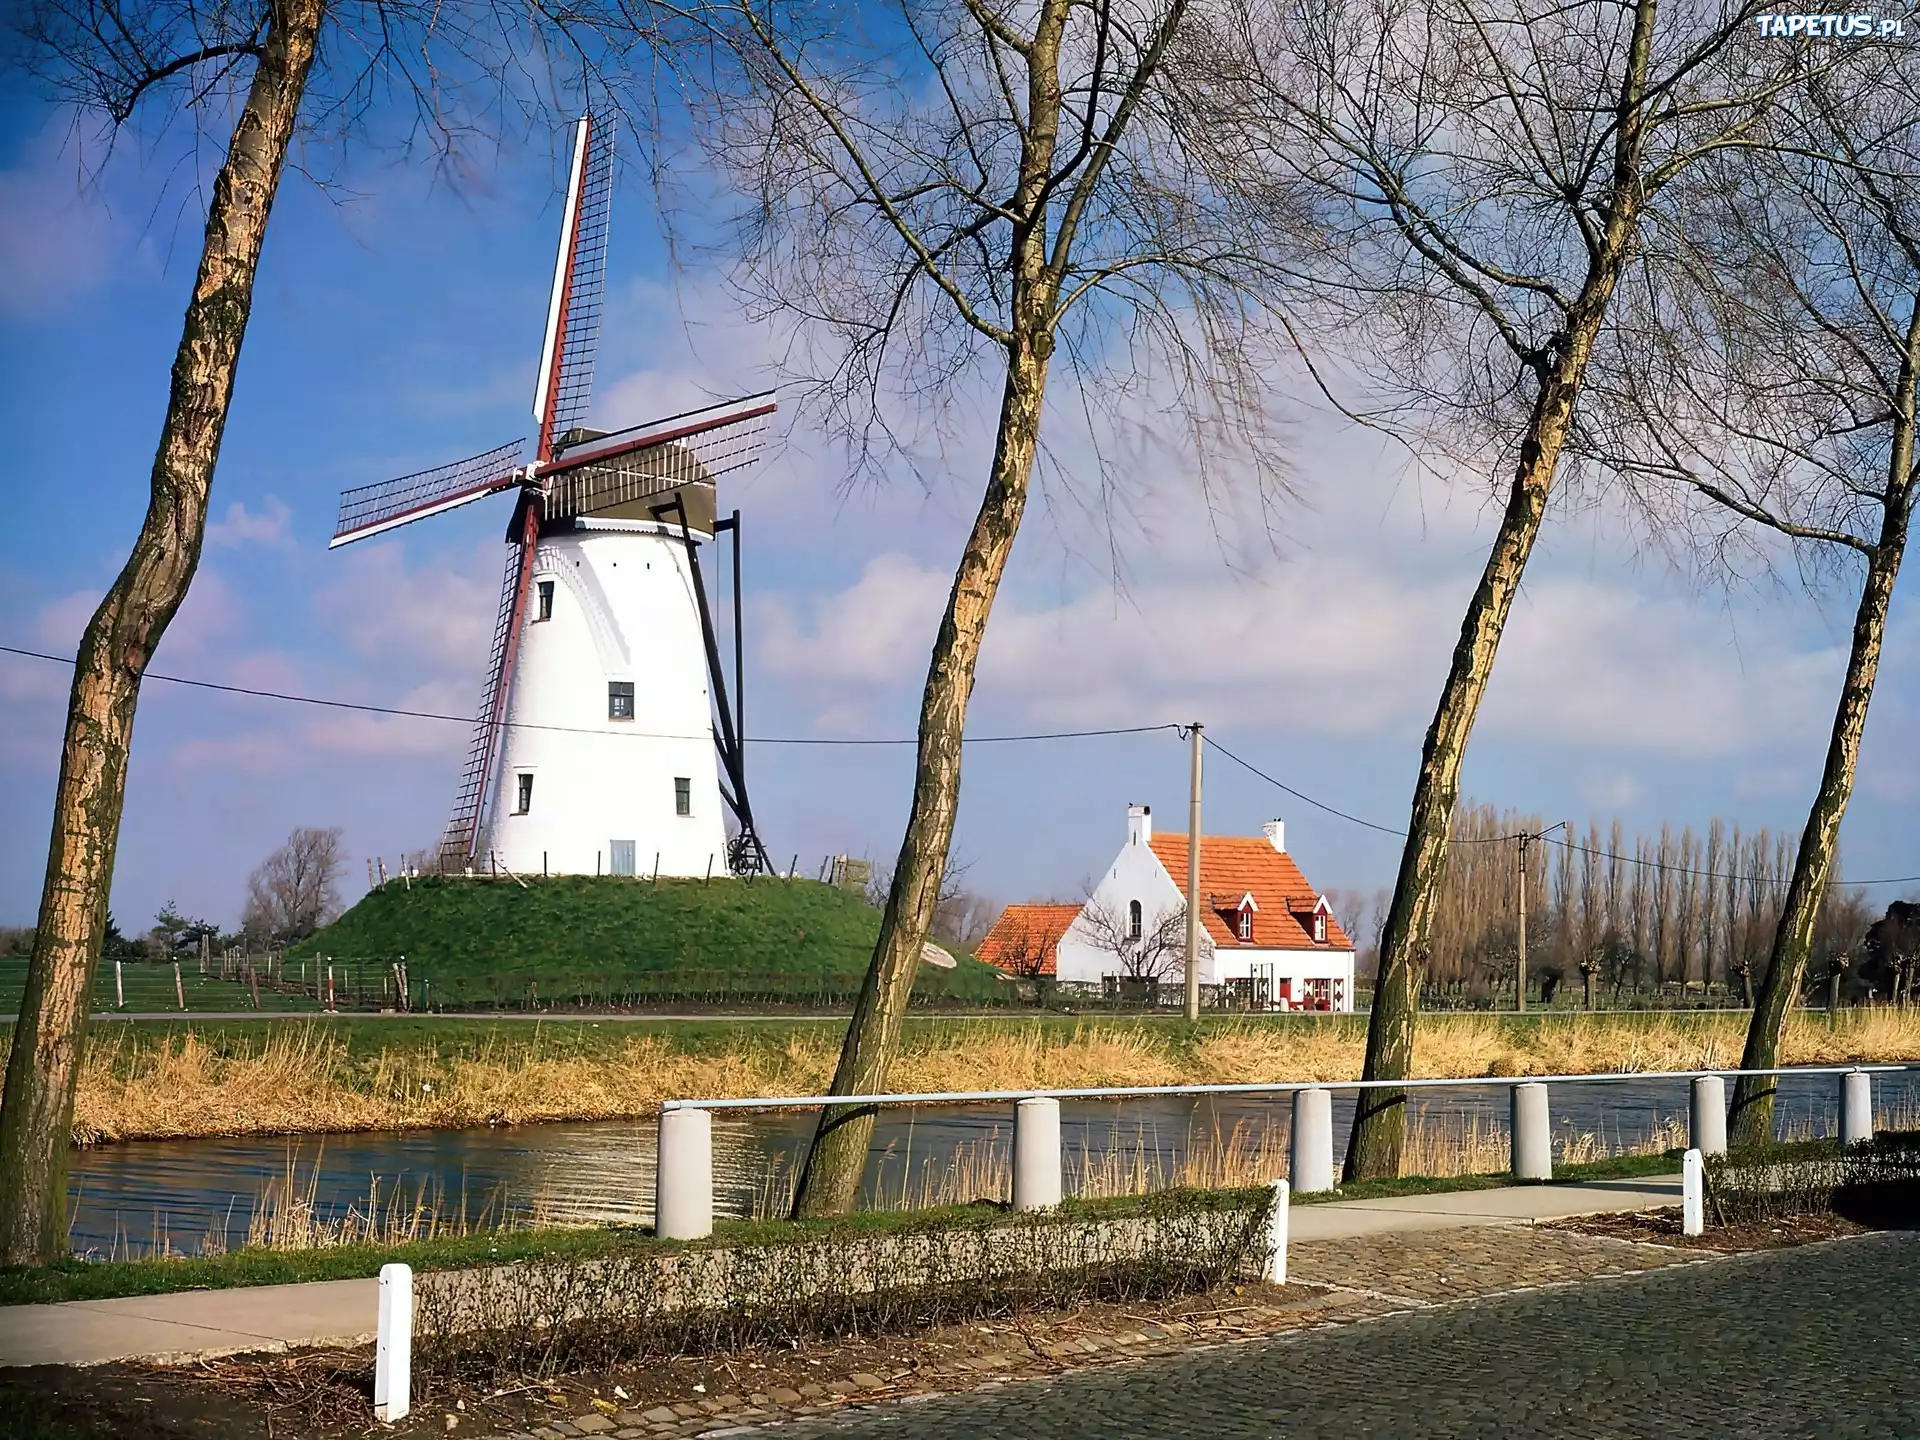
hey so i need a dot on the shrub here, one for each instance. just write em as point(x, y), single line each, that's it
point(537, 1319)
point(1876, 1182)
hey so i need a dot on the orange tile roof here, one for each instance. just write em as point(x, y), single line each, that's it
point(1025, 934)
point(1237, 865)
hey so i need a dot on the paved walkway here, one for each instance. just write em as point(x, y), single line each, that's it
point(276, 1317)
point(1810, 1342)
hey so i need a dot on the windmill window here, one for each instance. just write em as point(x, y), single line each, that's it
point(1244, 927)
point(1320, 929)
point(620, 700)
point(544, 608)
point(1133, 919)
point(682, 795)
point(523, 799)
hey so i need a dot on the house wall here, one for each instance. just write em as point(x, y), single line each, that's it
point(1294, 965)
point(623, 609)
point(1136, 874)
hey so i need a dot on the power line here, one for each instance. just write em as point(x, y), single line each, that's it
point(1546, 835)
point(403, 713)
point(1647, 864)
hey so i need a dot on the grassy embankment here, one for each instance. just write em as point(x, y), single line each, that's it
point(606, 939)
point(168, 1080)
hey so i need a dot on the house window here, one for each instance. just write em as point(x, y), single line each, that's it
point(524, 798)
point(1320, 929)
point(1133, 919)
point(543, 609)
point(682, 795)
point(1245, 927)
point(620, 700)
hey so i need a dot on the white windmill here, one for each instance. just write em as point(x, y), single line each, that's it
point(605, 741)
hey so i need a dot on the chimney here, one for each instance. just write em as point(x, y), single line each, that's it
point(1276, 833)
point(1139, 824)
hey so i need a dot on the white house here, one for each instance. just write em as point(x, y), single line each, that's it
point(1265, 931)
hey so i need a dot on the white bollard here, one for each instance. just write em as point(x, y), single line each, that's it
point(1310, 1148)
point(1036, 1153)
point(683, 1179)
point(1532, 1133)
point(1276, 1271)
point(1856, 1107)
point(1707, 1116)
point(119, 992)
point(1693, 1192)
point(393, 1355)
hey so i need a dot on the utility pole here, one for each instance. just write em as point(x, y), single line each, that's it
point(1520, 968)
point(1193, 877)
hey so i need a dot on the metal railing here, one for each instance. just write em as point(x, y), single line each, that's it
point(1285, 1087)
point(684, 1184)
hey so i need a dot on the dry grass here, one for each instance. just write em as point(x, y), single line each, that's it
point(299, 1079)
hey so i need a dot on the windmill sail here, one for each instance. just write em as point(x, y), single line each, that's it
point(371, 509)
point(565, 382)
point(469, 801)
point(655, 459)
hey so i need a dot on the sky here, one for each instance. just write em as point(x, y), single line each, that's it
point(397, 325)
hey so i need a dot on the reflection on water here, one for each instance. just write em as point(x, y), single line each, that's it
point(129, 1197)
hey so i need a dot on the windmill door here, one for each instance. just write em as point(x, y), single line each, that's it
point(622, 857)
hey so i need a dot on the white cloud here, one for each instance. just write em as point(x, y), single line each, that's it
point(405, 616)
point(271, 526)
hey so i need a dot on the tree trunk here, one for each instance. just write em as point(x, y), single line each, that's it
point(1379, 1126)
point(830, 1182)
point(1379, 1122)
point(43, 1068)
point(1753, 1095)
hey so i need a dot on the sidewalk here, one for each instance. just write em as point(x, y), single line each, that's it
point(202, 1323)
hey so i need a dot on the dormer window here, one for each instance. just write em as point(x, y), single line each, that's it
point(1243, 924)
point(1320, 927)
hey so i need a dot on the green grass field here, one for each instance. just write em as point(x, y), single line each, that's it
point(149, 988)
point(618, 940)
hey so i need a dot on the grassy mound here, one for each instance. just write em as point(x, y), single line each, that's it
point(609, 938)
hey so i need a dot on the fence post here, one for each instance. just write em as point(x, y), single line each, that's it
point(393, 1353)
point(179, 990)
point(1532, 1133)
point(1276, 1269)
point(1693, 1193)
point(1310, 1147)
point(1036, 1153)
point(1707, 1115)
point(119, 992)
point(683, 1181)
point(1856, 1107)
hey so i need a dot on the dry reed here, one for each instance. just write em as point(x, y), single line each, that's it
point(299, 1079)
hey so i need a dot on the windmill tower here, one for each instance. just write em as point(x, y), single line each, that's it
point(605, 742)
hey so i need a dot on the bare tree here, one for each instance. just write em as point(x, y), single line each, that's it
point(1484, 170)
point(248, 66)
point(296, 889)
point(1149, 955)
point(1022, 201)
point(1776, 381)
point(43, 1068)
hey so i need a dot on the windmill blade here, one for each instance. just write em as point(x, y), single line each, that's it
point(470, 799)
point(565, 382)
point(652, 459)
point(371, 509)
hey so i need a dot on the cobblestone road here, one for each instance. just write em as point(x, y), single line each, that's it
point(1815, 1342)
